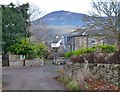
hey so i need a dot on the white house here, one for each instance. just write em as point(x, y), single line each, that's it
point(56, 43)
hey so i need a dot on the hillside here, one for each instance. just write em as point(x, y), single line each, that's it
point(62, 18)
point(56, 23)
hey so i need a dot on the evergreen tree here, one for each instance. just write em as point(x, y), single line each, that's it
point(14, 24)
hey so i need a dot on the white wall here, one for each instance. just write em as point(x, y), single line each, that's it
point(56, 44)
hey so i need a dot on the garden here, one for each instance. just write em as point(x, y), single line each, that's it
point(29, 51)
point(94, 68)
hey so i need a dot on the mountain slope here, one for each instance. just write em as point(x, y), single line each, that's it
point(55, 24)
point(62, 18)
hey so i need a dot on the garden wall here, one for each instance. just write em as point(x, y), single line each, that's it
point(107, 72)
point(32, 62)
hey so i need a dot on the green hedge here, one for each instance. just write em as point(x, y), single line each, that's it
point(100, 48)
point(106, 48)
point(68, 54)
point(83, 51)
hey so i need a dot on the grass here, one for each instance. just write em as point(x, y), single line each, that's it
point(89, 84)
point(73, 85)
point(69, 83)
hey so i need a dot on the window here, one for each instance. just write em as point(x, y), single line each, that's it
point(93, 41)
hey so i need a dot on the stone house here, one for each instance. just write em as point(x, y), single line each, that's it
point(82, 38)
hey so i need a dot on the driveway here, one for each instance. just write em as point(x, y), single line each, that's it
point(31, 78)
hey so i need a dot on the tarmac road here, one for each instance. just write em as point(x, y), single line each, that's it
point(31, 78)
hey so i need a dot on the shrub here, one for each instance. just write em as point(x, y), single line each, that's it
point(89, 54)
point(83, 51)
point(90, 57)
point(109, 58)
point(69, 83)
point(40, 50)
point(73, 85)
point(77, 59)
point(68, 54)
point(22, 47)
point(77, 52)
point(115, 58)
point(101, 48)
point(106, 48)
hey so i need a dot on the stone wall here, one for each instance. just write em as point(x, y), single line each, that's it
point(14, 58)
point(32, 62)
point(107, 72)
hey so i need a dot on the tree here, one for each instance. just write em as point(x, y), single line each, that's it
point(41, 50)
point(110, 9)
point(22, 47)
point(25, 47)
point(14, 24)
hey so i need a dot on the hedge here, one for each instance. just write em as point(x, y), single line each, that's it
point(100, 48)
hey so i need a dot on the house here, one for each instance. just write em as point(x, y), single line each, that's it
point(57, 47)
point(83, 38)
point(56, 43)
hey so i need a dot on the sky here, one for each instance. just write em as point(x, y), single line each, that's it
point(47, 6)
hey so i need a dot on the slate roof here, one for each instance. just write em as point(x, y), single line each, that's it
point(72, 40)
point(55, 40)
point(93, 32)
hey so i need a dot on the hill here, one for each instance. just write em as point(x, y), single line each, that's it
point(56, 24)
point(62, 18)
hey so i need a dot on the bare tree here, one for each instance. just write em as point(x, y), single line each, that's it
point(39, 32)
point(36, 28)
point(34, 12)
point(110, 10)
point(39, 27)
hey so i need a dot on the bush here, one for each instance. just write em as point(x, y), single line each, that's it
point(40, 50)
point(115, 58)
point(104, 58)
point(22, 47)
point(73, 85)
point(89, 57)
point(89, 54)
point(100, 48)
point(69, 83)
point(77, 52)
point(106, 48)
point(77, 59)
point(68, 54)
point(83, 51)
